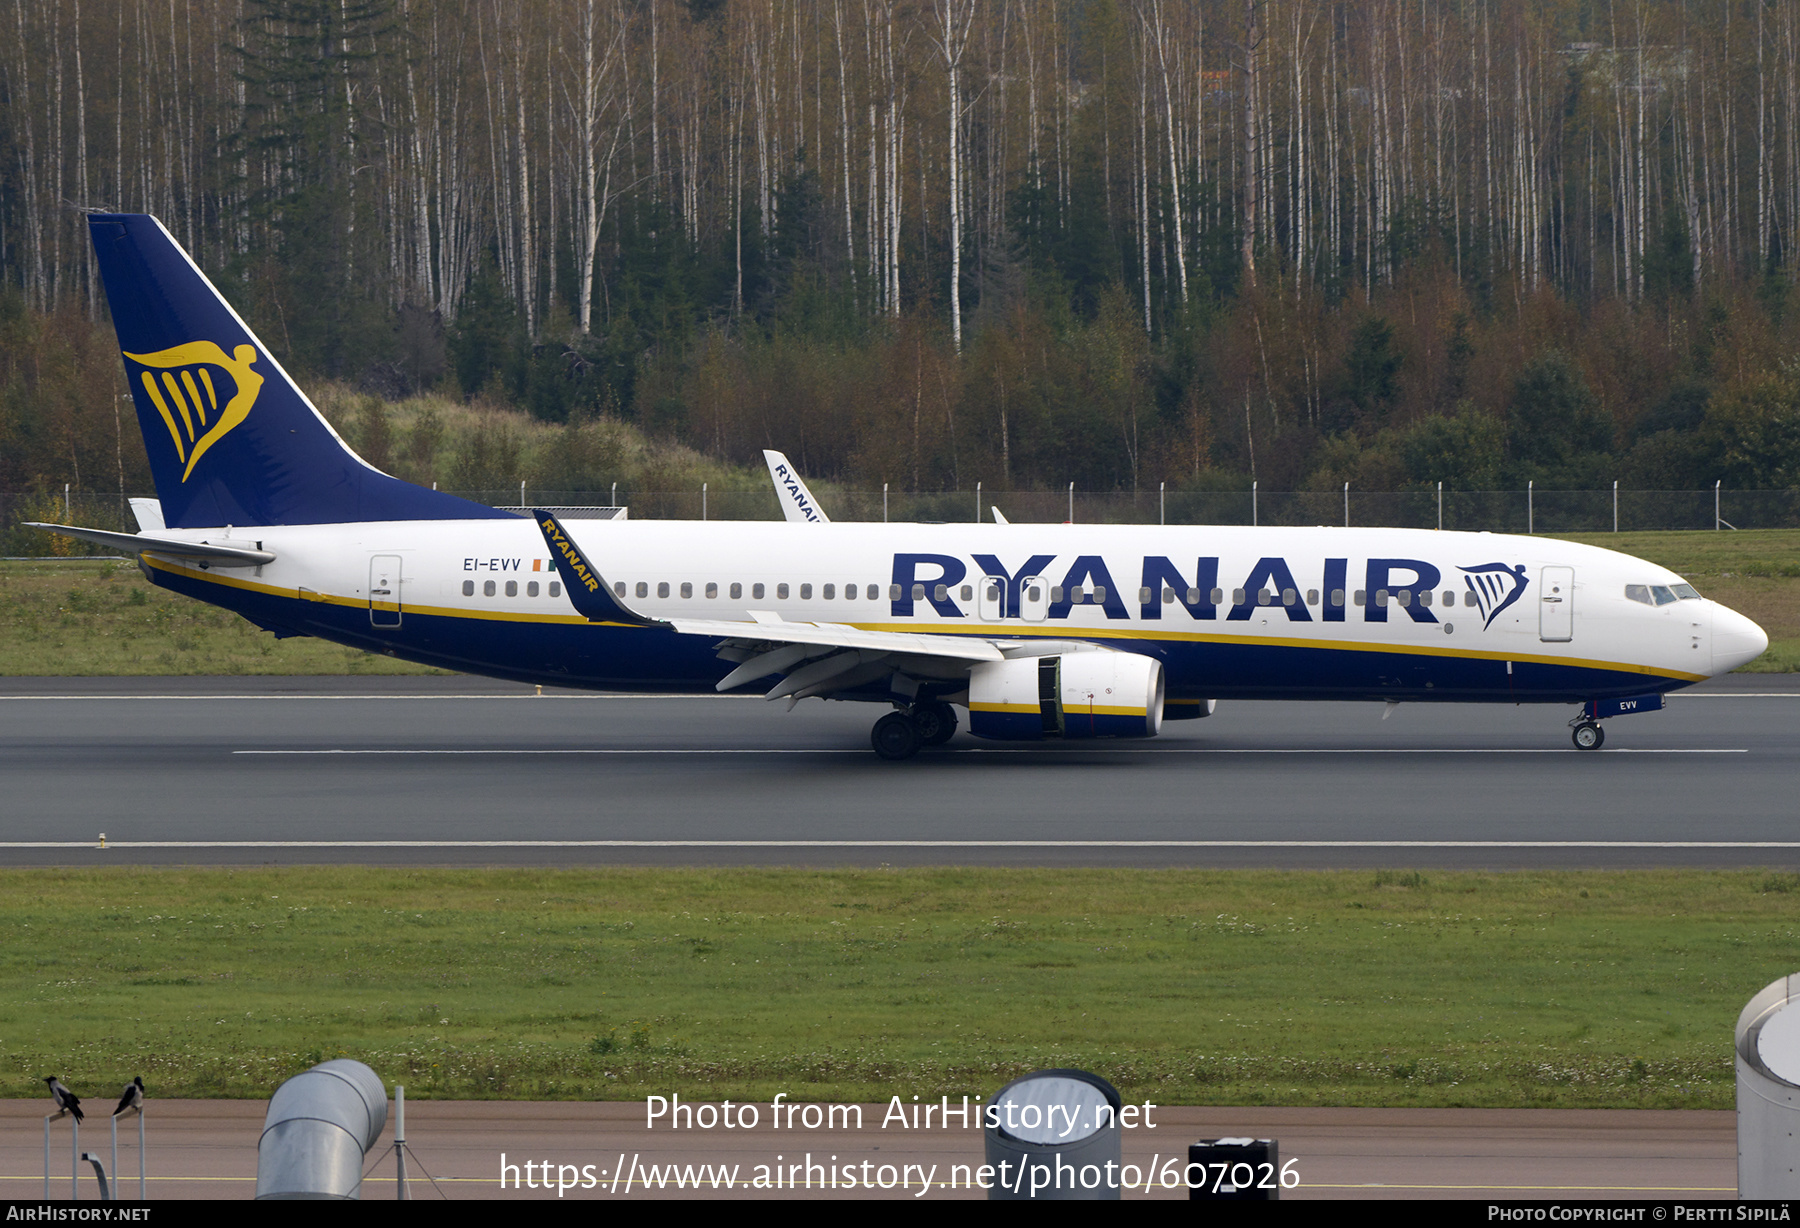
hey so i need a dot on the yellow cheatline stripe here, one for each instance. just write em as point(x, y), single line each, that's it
point(998, 632)
point(1016, 709)
point(162, 408)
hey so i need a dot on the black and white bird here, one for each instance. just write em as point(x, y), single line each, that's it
point(133, 1097)
point(66, 1100)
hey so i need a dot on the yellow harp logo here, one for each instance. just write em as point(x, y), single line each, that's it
point(186, 384)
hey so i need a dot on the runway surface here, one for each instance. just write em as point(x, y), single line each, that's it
point(468, 771)
point(207, 1149)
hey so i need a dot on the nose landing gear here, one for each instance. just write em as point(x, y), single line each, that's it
point(1587, 736)
point(899, 735)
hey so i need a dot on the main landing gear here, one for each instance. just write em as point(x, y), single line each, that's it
point(899, 735)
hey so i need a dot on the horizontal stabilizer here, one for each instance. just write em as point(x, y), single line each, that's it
point(137, 543)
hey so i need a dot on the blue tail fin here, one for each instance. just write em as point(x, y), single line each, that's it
point(231, 439)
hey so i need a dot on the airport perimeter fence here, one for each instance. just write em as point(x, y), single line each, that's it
point(1498, 511)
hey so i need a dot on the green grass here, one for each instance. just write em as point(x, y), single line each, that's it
point(1361, 988)
point(82, 618)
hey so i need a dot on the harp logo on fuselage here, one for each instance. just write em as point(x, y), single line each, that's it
point(180, 382)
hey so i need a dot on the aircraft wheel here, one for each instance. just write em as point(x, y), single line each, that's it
point(1588, 736)
point(936, 723)
point(895, 736)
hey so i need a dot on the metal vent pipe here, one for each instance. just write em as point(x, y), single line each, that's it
point(320, 1125)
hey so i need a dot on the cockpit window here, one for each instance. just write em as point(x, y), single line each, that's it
point(1659, 594)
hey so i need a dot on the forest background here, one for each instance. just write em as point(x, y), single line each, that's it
point(1119, 243)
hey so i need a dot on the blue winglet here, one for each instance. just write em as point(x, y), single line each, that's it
point(586, 587)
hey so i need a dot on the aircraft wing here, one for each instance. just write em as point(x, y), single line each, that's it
point(811, 658)
point(236, 554)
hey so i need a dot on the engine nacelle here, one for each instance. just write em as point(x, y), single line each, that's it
point(1098, 694)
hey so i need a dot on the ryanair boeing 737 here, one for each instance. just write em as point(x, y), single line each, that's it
point(1036, 630)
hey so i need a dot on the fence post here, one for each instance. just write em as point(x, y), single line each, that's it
point(1615, 505)
point(67, 514)
point(615, 494)
point(703, 486)
point(1346, 505)
point(978, 503)
point(1716, 505)
point(884, 487)
point(1071, 503)
point(1440, 507)
point(1162, 503)
point(1531, 506)
point(1253, 486)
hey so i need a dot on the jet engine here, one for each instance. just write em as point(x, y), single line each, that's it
point(1095, 694)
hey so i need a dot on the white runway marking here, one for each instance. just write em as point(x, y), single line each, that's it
point(884, 844)
point(1021, 750)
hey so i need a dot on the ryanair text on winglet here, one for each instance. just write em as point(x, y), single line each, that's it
point(561, 543)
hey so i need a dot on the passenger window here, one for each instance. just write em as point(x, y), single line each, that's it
point(1449, 598)
point(1099, 594)
point(942, 593)
point(1289, 596)
point(468, 588)
point(737, 591)
point(781, 592)
point(662, 588)
point(1144, 596)
point(894, 592)
point(1312, 596)
point(1237, 596)
point(1264, 597)
point(756, 592)
point(918, 592)
point(1056, 593)
point(1360, 595)
point(875, 591)
point(512, 588)
point(1425, 597)
point(806, 592)
point(828, 592)
point(643, 589)
point(712, 590)
point(1405, 596)
point(487, 589)
point(531, 589)
point(619, 589)
point(687, 589)
point(1169, 595)
point(1381, 598)
point(1337, 597)
point(556, 588)
point(968, 592)
point(1193, 596)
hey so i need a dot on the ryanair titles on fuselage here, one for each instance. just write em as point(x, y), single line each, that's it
point(1411, 585)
